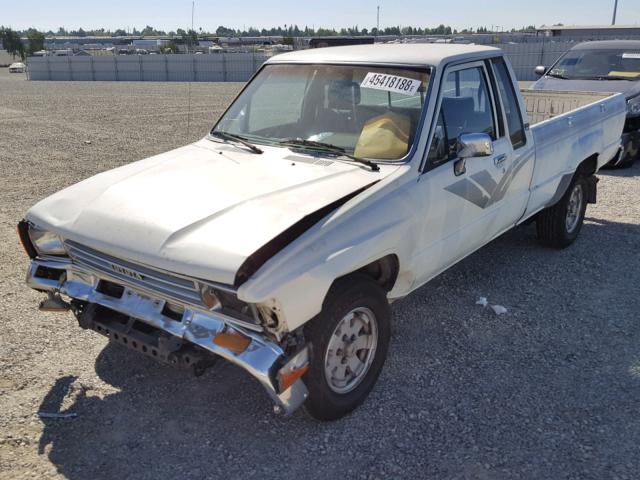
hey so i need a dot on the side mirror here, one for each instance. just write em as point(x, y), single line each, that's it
point(540, 70)
point(474, 145)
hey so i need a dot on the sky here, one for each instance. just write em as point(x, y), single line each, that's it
point(172, 14)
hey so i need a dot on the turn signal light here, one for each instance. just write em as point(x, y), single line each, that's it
point(288, 378)
point(232, 340)
point(294, 369)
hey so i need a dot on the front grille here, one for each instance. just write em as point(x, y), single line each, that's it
point(166, 285)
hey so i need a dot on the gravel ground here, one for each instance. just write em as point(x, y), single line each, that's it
point(548, 390)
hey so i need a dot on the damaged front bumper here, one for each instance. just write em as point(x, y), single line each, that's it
point(169, 337)
point(629, 145)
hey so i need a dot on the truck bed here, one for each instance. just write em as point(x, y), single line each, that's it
point(567, 128)
point(545, 104)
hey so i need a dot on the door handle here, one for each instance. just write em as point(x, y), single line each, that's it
point(499, 159)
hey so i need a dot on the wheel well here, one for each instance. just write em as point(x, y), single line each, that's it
point(588, 166)
point(384, 271)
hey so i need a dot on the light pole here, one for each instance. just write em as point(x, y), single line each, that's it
point(615, 9)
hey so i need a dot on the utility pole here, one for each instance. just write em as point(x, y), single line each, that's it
point(378, 22)
point(193, 7)
point(615, 9)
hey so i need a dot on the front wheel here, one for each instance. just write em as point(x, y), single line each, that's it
point(349, 341)
point(559, 225)
point(627, 162)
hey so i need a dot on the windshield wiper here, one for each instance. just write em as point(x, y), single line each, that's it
point(236, 138)
point(327, 147)
point(556, 75)
point(611, 77)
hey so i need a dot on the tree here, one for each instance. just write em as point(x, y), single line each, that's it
point(171, 47)
point(223, 31)
point(149, 30)
point(119, 33)
point(36, 41)
point(12, 43)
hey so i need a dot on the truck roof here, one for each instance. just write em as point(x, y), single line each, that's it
point(432, 54)
point(608, 44)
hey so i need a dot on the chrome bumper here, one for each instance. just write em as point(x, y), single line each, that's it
point(262, 358)
point(630, 146)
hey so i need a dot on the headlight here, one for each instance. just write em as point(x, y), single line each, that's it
point(45, 242)
point(227, 303)
point(209, 297)
point(633, 106)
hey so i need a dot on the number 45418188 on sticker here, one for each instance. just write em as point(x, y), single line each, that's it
point(390, 83)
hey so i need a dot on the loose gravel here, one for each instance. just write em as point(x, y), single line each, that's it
point(550, 389)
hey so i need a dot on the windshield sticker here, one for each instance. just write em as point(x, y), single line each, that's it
point(631, 55)
point(391, 83)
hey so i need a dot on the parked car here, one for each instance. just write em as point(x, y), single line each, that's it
point(338, 181)
point(17, 67)
point(603, 66)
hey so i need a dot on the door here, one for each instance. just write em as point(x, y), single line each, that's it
point(461, 197)
point(517, 179)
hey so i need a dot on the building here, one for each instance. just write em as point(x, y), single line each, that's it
point(590, 31)
point(319, 42)
point(150, 45)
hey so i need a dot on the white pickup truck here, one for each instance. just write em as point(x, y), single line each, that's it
point(339, 180)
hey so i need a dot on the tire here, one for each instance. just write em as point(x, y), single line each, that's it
point(627, 163)
point(559, 225)
point(334, 389)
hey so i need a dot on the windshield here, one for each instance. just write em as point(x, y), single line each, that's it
point(367, 112)
point(598, 64)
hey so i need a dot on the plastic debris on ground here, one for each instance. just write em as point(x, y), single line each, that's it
point(497, 309)
point(482, 301)
point(57, 415)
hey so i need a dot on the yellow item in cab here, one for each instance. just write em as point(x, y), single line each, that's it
point(385, 137)
point(613, 73)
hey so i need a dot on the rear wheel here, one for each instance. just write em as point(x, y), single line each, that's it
point(349, 339)
point(559, 225)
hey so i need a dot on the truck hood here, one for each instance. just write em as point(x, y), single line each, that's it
point(200, 210)
point(627, 87)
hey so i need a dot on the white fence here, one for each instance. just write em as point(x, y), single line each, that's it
point(229, 67)
point(224, 67)
point(526, 56)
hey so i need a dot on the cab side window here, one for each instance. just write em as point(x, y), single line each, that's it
point(510, 103)
point(465, 107)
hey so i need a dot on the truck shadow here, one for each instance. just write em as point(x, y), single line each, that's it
point(632, 171)
point(547, 390)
